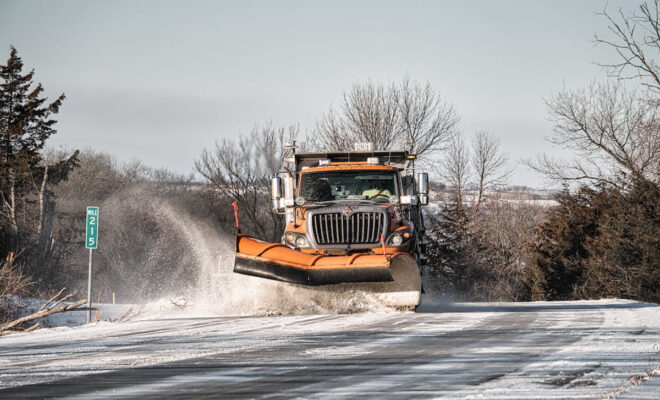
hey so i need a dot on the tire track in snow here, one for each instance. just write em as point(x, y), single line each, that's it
point(540, 350)
point(283, 355)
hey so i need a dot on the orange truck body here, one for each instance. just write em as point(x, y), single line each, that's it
point(341, 240)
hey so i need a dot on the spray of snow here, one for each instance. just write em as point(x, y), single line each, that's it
point(219, 291)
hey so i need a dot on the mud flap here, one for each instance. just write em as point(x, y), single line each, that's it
point(278, 262)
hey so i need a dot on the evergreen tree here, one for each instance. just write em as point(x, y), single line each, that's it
point(26, 122)
point(602, 242)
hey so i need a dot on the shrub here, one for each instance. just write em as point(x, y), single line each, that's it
point(485, 256)
point(12, 283)
point(602, 242)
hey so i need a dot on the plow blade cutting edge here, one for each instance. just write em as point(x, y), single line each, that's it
point(279, 262)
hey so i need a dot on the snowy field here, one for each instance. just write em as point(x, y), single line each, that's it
point(585, 349)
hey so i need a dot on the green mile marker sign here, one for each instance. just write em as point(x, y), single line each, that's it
point(91, 239)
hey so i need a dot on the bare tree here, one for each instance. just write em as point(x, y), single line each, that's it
point(49, 173)
point(371, 112)
point(613, 130)
point(614, 135)
point(496, 251)
point(368, 113)
point(454, 167)
point(427, 119)
point(488, 163)
point(636, 40)
point(241, 170)
point(387, 115)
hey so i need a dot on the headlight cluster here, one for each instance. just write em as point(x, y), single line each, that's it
point(296, 240)
point(398, 238)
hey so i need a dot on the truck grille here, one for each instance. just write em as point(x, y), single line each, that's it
point(338, 228)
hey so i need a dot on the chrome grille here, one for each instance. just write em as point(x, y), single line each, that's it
point(357, 228)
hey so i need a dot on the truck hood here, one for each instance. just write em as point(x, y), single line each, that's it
point(339, 204)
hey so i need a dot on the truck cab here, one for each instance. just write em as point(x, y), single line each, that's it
point(352, 202)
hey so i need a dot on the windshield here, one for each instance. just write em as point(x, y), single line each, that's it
point(348, 185)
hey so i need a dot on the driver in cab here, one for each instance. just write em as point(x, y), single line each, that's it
point(377, 189)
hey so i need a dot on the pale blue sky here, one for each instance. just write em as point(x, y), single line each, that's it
point(160, 80)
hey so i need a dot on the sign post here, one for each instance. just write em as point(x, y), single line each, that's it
point(91, 242)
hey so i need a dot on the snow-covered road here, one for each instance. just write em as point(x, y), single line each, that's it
point(587, 349)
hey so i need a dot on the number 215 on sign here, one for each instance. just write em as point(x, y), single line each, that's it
point(91, 238)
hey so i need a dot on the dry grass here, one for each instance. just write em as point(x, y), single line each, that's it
point(12, 283)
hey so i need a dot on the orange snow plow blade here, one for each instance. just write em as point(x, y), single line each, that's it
point(278, 262)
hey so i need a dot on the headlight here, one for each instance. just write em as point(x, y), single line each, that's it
point(300, 201)
point(397, 240)
point(394, 199)
point(296, 239)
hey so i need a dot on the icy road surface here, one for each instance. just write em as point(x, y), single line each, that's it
point(590, 349)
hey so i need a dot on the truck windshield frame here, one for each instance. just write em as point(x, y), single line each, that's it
point(371, 185)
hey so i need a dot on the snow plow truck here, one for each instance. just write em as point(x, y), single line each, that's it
point(353, 222)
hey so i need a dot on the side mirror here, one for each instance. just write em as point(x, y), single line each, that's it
point(289, 200)
point(276, 192)
point(423, 183)
point(409, 200)
point(423, 188)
